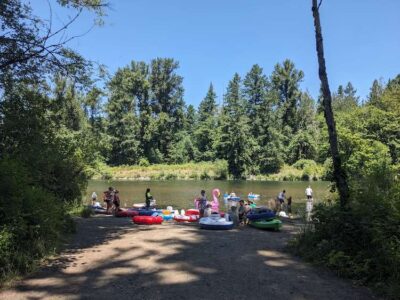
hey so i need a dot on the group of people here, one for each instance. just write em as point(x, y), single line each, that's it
point(110, 197)
point(281, 205)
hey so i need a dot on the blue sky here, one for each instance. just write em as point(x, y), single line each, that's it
point(213, 39)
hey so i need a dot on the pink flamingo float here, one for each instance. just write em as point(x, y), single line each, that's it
point(215, 203)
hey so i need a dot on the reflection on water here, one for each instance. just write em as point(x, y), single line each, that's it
point(180, 193)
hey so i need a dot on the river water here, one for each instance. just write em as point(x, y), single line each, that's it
point(180, 193)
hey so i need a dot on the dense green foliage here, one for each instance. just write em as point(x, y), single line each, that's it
point(362, 241)
point(48, 125)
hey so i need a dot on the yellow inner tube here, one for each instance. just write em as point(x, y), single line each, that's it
point(166, 212)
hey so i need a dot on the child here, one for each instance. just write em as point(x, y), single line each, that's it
point(242, 213)
point(207, 211)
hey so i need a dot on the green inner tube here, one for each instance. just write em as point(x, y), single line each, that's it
point(267, 224)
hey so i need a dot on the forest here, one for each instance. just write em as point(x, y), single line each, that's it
point(62, 119)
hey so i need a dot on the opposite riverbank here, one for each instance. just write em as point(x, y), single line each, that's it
point(302, 170)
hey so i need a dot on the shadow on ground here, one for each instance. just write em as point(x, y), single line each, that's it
point(112, 258)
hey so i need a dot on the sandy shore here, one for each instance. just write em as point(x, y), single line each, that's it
point(110, 258)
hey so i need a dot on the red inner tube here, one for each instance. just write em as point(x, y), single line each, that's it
point(192, 212)
point(147, 220)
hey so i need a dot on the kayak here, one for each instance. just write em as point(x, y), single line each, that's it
point(184, 218)
point(215, 222)
point(126, 213)
point(147, 220)
point(253, 196)
point(262, 214)
point(273, 224)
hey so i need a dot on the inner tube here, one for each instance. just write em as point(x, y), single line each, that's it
point(126, 213)
point(147, 220)
point(146, 212)
point(215, 223)
point(184, 218)
point(273, 224)
point(192, 212)
point(264, 214)
point(97, 209)
point(167, 217)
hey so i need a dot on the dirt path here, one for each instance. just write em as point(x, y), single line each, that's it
point(109, 258)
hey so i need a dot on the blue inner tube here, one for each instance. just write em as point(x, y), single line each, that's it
point(262, 215)
point(146, 212)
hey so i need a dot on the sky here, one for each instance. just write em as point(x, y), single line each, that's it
point(213, 39)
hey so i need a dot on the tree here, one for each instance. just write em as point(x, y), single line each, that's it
point(205, 130)
point(339, 174)
point(30, 47)
point(345, 99)
point(285, 80)
point(166, 102)
point(234, 143)
point(123, 124)
point(375, 93)
point(254, 92)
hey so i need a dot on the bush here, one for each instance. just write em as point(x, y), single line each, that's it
point(205, 176)
point(171, 176)
point(31, 220)
point(221, 169)
point(362, 241)
point(143, 162)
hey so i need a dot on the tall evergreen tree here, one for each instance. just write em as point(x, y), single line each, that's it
point(255, 88)
point(207, 123)
point(285, 80)
point(234, 143)
point(167, 104)
point(123, 126)
point(345, 99)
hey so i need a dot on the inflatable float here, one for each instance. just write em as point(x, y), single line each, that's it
point(215, 222)
point(141, 205)
point(147, 220)
point(124, 213)
point(185, 218)
point(97, 209)
point(167, 217)
point(192, 212)
point(253, 196)
point(261, 214)
point(273, 224)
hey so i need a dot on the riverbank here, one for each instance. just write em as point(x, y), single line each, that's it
point(303, 170)
point(112, 258)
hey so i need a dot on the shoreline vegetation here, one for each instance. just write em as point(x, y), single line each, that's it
point(303, 170)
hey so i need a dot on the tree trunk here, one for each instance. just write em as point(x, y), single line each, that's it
point(338, 172)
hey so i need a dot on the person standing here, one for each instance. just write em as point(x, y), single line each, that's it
point(116, 201)
point(281, 200)
point(309, 193)
point(149, 197)
point(202, 203)
point(94, 198)
point(309, 204)
point(108, 197)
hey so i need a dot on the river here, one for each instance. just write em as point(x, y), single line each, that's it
point(180, 193)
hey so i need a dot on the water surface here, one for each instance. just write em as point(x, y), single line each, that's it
point(180, 193)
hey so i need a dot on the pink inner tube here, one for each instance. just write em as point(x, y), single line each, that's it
point(147, 220)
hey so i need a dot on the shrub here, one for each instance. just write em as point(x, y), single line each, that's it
point(205, 176)
point(143, 162)
point(171, 176)
point(362, 241)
